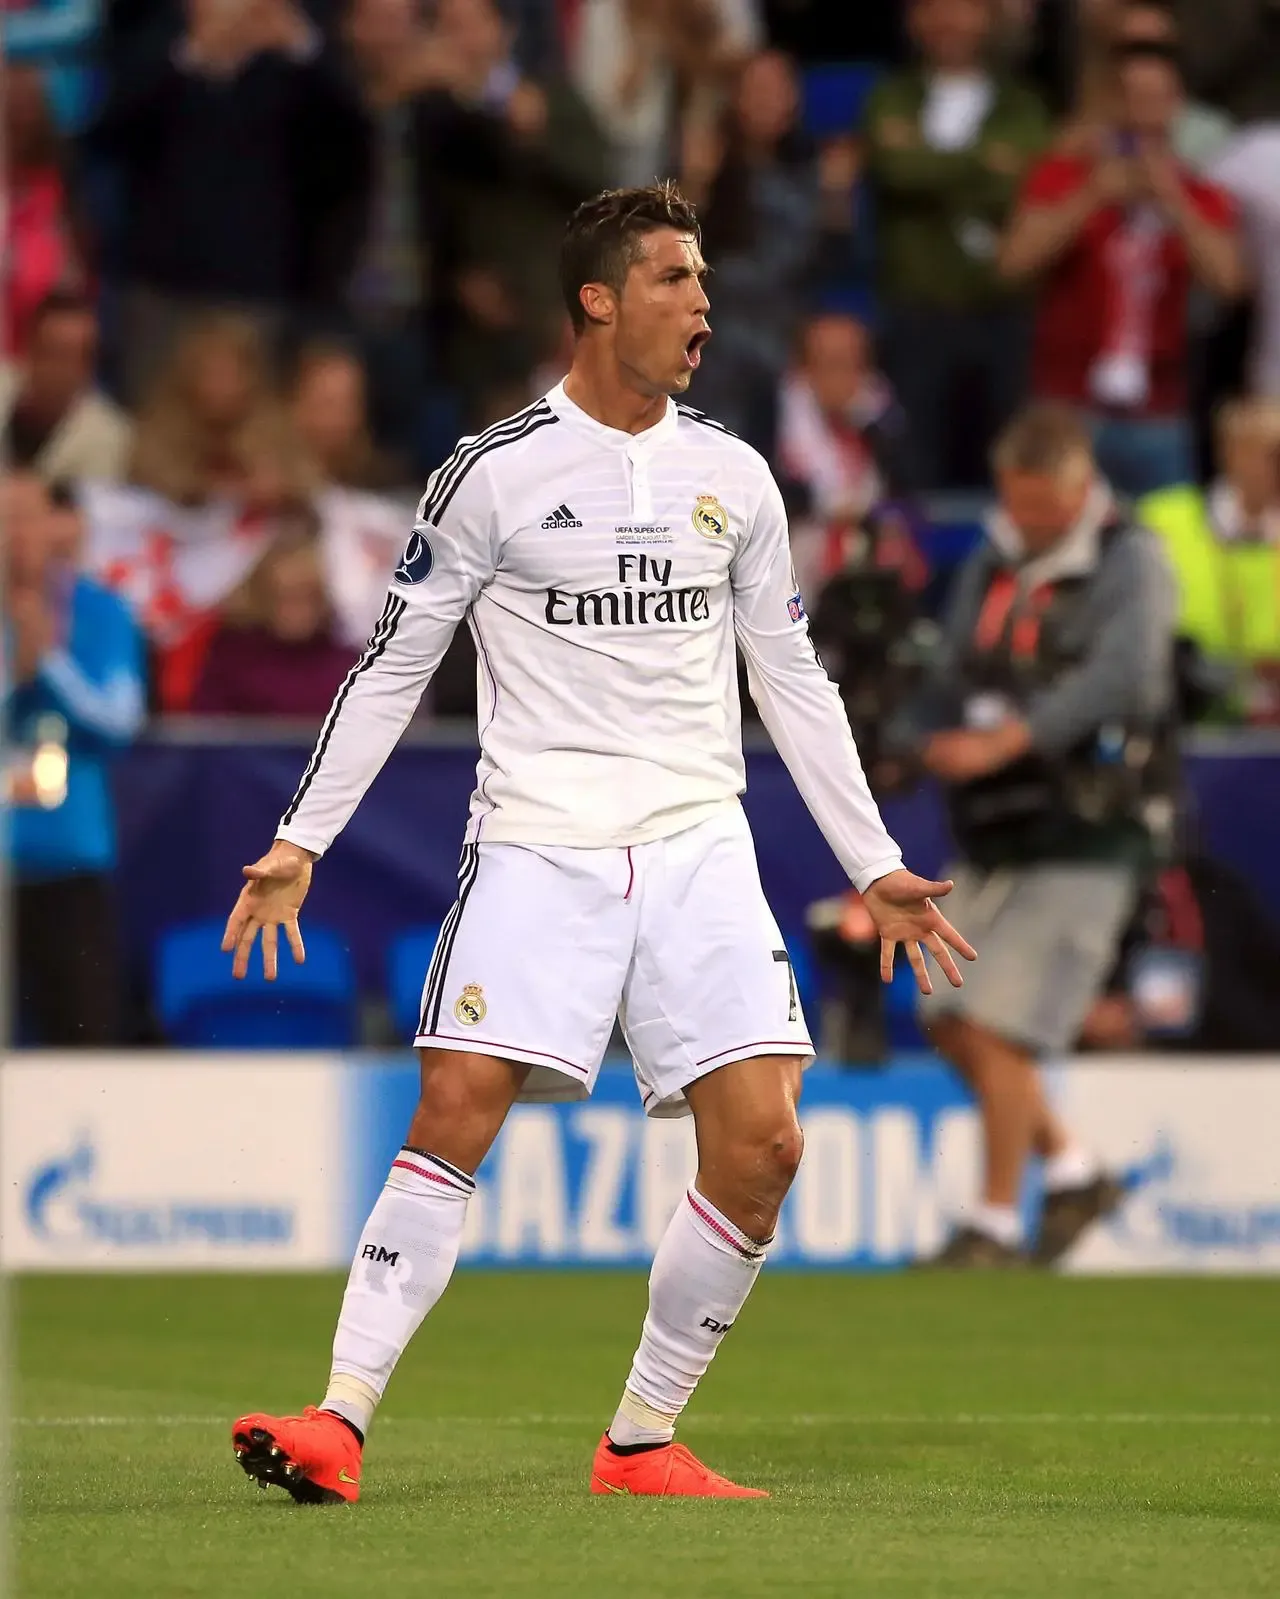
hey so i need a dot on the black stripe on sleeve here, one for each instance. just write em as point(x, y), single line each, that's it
point(382, 635)
point(443, 475)
point(465, 455)
point(530, 425)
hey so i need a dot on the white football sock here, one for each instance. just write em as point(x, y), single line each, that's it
point(1000, 1222)
point(1072, 1167)
point(702, 1273)
point(403, 1263)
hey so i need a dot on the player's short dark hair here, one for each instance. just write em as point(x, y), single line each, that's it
point(603, 237)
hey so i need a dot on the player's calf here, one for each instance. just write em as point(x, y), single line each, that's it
point(749, 1148)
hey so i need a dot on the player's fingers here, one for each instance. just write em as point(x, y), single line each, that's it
point(270, 946)
point(294, 934)
point(948, 934)
point(255, 874)
point(916, 956)
point(938, 890)
point(231, 933)
point(887, 947)
point(945, 960)
point(244, 948)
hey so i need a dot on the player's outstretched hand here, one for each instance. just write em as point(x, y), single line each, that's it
point(269, 900)
point(901, 906)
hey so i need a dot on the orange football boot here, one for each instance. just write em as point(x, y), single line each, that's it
point(669, 1470)
point(314, 1456)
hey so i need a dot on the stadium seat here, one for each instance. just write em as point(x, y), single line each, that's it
point(835, 95)
point(407, 963)
point(201, 1006)
point(950, 542)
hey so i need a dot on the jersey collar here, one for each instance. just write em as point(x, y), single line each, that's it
point(633, 443)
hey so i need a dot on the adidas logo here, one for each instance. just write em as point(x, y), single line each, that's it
point(562, 516)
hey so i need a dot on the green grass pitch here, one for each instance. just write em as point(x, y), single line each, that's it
point(1011, 1435)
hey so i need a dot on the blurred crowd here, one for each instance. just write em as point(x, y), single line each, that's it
point(264, 260)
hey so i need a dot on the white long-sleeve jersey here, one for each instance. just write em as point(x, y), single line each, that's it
point(604, 576)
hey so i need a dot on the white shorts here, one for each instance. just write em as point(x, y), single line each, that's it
point(545, 946)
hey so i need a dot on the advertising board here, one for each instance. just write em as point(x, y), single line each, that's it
point(272, 1161)
point(171, 1162)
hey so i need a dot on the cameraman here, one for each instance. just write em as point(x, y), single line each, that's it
point(1048, 718)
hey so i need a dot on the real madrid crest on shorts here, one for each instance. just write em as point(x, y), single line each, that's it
point(710, 517)
point(469, 1007)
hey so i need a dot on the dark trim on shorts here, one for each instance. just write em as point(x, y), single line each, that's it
point(515, 1052)
point(438, 971)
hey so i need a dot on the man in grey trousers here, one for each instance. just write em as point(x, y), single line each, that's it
point(1048, 717)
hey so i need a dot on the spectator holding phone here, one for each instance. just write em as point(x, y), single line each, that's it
point(1199, 132)
point(1117, 238)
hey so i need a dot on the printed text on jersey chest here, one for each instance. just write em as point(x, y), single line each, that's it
point(632, 604)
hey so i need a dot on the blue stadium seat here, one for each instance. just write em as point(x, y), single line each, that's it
point(201, 1006)
point(407, 963)
point(834, 96)
point(950, 543)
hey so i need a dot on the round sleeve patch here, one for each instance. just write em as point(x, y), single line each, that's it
point(417, 560)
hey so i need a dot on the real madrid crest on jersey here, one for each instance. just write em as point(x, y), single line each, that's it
point(470, 1008)
point(710, 517)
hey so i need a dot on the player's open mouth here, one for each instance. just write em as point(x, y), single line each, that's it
point(693, 350)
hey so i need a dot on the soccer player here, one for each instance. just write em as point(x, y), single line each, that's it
point(606, 546)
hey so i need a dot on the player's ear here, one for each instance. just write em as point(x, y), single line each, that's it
point(598, 302)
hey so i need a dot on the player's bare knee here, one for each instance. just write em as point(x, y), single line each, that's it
point(786, 1151)
point(765, 1165)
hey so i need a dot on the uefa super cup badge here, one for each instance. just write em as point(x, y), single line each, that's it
point(710, 517)
point(470, 1008)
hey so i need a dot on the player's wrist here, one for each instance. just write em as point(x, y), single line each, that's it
point(285, 850)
